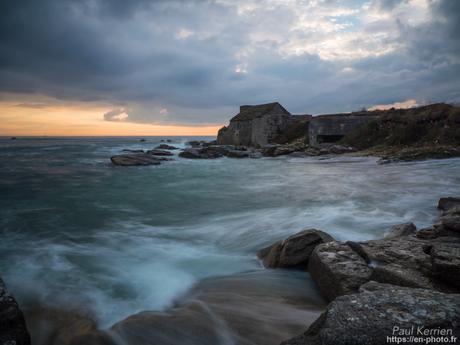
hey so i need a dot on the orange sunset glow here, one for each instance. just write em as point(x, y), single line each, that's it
point(20, 119)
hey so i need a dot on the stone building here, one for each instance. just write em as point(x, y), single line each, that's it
point(255, 125)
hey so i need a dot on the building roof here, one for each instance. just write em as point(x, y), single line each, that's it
point(250, 112)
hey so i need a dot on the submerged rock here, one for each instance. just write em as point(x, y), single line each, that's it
point(253, 308)
point(293, 251)
point(13, 330)
point(135, 159)
point(381, 311)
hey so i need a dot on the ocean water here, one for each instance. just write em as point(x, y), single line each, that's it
point(77, 232)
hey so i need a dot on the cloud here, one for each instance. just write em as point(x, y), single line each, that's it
point(410, 103)
point(201, 59)
point(117, 115)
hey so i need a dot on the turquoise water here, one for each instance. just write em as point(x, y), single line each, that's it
point(78, 232)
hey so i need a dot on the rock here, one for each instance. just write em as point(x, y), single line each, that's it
point(288, 149)
point(215, 151)
point(166, 147)
point(450, 218)
point(200, 153)
point(156, 152)
point(196, 143)
point(142, 140)
point(237, 154)
point(402, 230)
point(337, 269)
point(444, 204)
point(340, 268)
point(445, 260)
point(49, 326)
point(132, 151)
point(293, 251)
point(335, 149)
point(435, 231)
point(13, 329)
point(399, 275)
point(258, 307)
point(358, 249)
point(269, 150)
point(381, 311)
point(134, 159)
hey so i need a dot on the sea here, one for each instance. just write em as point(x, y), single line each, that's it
point(79, 232)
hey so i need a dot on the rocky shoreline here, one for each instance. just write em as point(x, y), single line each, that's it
point(409, 278)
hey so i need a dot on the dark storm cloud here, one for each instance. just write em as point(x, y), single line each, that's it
point(194, 61)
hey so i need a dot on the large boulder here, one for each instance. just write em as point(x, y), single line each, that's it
point(13, 330)
point(341, 268)
point(294, 251)
point(135, 159)
point(337, 269)
point(382, 311)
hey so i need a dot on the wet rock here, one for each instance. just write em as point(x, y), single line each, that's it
point(134, 159)
point(199, 153)
point(237, 154)
point(196, 143)
point(369, 317)
point(254, 308)
point(337, 269)
point(435, 231)
point(402, 230)
point(450, 218)
point(133, 151)
point(156, 152)
point(166, 147)
point(50, 326)
point(444, 204)
point(293, 251)
point(445, 260)
point(13, 330)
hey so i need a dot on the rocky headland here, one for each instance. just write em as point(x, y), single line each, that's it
point(269, 130)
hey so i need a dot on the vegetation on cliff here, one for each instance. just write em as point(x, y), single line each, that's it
point(431, 131)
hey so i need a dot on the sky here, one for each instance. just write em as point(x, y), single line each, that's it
point(172, 67)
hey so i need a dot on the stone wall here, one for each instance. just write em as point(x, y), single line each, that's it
point(327, 129)
point(255, 125)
